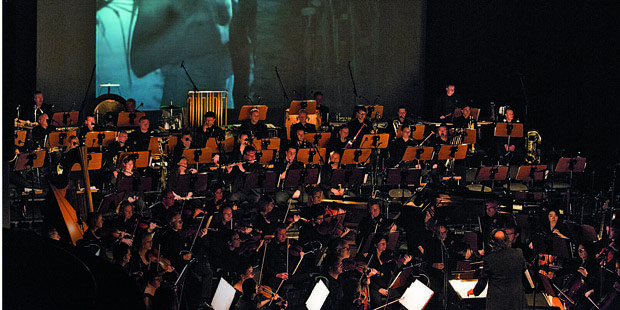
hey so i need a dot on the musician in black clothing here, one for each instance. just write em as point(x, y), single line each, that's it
point(160, 210)
point(172, 243)
point(303, 125)
point(466, 120)
point(337, 142)
point(374, 222)
point(323, 109)
point(359, 126)
point(298, 141)
point(139, 139)
point(235, 175)
point(40, 132)
point(400, 120)
point(490, 221)
point(208, 130)
point(114, 149)
point(400, 145)
point(255, 128)
point(32, 111)
point(185, 143)
point(88, 126)
point(447, 103)
point(277, 267)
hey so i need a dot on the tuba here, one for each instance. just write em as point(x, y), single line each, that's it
point(532, 151)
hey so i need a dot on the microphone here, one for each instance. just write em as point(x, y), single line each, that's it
point(182, 62)
point(141, 105)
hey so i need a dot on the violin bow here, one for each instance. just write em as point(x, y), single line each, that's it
point(198, 231)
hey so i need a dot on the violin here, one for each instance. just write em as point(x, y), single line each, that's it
point(267, 293)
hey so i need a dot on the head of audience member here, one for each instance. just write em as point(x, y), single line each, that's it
point(38, 98)
point(450, 90)
point(209, 119)
point(144, 124)
point(130, 105)
point(360, 114)
point(402, 114)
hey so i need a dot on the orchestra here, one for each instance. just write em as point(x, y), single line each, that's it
point(273, 243)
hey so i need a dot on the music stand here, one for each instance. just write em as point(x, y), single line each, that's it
point(193, 182)
point(317, 296)
point(391, 242)
point(310, 156)
point(99, 138)
point(20, 137)
point(319, 139)
point(376, 141)
point(402, 278)
point(417, 131)
point(565, 164)
point(418, 153)
point(59, 138)
point(129, 119)
point(266, 144)
point(347, 177)
point(198, 156)
point(374, 111)
point(245, 114)
point(224, 296)
point(510, 130)
point(297, 177)
point(109, 203)
point(462, 286)
point(32, 160)
point(416, 296)
point(455, 152)
point(470, 136)
point(228, 144)
point(140, 184)
point(264, 157)
point(94, 162)
point(493, 173)
point(65, 119)
point(355, 156)
point(265, 180)
point(403, 177)
point(141, 159)
point(308, 105)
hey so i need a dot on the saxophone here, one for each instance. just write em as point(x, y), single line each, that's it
point(532, 153)
point(396, 124)
point(164, 161)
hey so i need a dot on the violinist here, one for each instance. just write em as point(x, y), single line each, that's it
point(608, 255)
point(143, 258)
point(279, 261)
point(314, 230)
point(226, 260)
point(387, 269)
point(223, 223)
point(125, 221)
point(219, 199)
point(160, 210)
point(374, 222)
point(267, 217)
point(249, 299)
point(121, 256)
point(94, 237)
point(172, 243)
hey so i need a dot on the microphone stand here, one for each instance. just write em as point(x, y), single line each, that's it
point(444, 257)
point(188, 76)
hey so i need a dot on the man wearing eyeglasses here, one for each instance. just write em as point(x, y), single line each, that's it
point(162, 209)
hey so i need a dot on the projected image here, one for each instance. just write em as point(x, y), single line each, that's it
point(147, 46)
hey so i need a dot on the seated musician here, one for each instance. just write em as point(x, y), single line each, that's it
point(243, 141)
point(216, 203)
point(583, 275)
point(326, 175)
point(226, 257)
point(359, 126)
point(249, 299)
point(302, 124)
point(373, 222)
point(121, 257)
point(185, 143)
point(278, 266)
point(490, 221)
point(160, 210)
point(180, 169)
point(322, 109)
point(235, 172)
point(151, 282)
point(225, 222)
point(88, 126)
point(255, 128)
point(387, 268)
point(130, 105)
point(267, 217)
point(314, 230)
point(94, 237)
point(400, 120)
point(40, 132)
point(465, 120)
point(208, 130)
point(172, 242)
point(125, 221)
point(338, 142)
point(140, 138)
point(143, 258)
point(400, 145)
point(128, 170)
point(297, 140)
point(289, 163)
point(114, 149)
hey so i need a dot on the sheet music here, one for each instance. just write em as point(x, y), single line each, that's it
point(224, 295)
point(317, 297)
point(416, 296)
point(462, 286)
